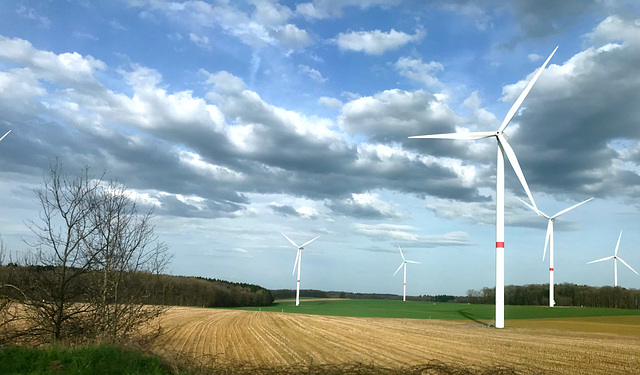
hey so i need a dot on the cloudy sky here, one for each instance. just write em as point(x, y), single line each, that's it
point(238, 120)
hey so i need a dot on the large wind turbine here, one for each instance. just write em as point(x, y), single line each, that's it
point(503, 148)
point(549, 241)
point(404, 263)
point(5, 134)
point(615, 258)
point(297, 263)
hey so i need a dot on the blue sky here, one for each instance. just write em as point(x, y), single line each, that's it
point(238, 120)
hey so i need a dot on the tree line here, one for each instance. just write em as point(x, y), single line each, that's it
point(314, 293)
point(566, 294)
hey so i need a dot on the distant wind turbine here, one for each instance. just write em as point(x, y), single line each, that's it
point(404, 263)
point(503, 148)
point(615, 258)
point(549, 241)
point(5, 134)
point(297, 263)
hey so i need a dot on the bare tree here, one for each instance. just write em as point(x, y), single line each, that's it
point(127, 254)
point(94, 257)
point(56, 291)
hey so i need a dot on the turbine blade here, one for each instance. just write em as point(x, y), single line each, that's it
point(548, 236)
point(601, 260)
point(625, 263)
point(533, 209)
point(618, 244)
point(296, 263)
point(285, 236)
point(525, 92)
point(513, 160)
point(401, 264)
point(402, 255)
point(308, 242)
point(5, 134)
point(466, 135)
point(570, 208)
point(411, 261)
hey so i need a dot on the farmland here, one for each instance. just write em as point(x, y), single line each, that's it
point(583, 343)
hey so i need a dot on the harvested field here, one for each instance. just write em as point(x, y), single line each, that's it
point(270, 338)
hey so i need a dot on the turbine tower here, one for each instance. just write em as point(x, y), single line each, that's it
point(615, 258)
point(549, 241)
point(503, 148)
point(297, 263)
point(404, 263)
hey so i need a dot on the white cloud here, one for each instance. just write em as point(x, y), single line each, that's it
point(614, 29)
point(419, 71)
point(375, 42)
point(200, 41)
point(84, 35)
point(388, 231)
point(533, 57)
point(270, 13)
point(115, 25)
point(328, 102)
point(307, 212)
point(176, 37)
point(312, 73)
point(65, 67)
point(320, 9)
point(367, 205)
point(291, 36)
point(32, 14)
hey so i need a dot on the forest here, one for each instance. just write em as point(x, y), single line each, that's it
point(566, 294)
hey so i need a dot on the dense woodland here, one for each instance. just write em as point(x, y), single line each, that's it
point(313, 293)
point(153, 289)
point(566, 294)
point(535, 294)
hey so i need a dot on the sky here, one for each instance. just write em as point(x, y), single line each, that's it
point(238, 120)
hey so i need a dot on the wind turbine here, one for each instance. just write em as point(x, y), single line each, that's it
point(615, 258)
point(404, 263)
point(549, 240)
point(297, 263)
point(5, 134)
point(503, 148)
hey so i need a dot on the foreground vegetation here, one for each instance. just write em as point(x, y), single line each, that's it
point(103, 359)
point(87, 360)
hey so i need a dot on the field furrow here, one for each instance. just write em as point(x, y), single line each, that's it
point(269, 338)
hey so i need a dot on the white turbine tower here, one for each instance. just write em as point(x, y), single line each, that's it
point(5, 134)
point(503, 148)
point(404, 263)
point(615, 258)
point(549, 241)
point(297, 263)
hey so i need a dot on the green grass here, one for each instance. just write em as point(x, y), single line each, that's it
point(83, 360)
point(431, 310)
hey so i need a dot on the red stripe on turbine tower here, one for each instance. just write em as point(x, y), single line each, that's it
point(298, 280)
point(550, 269)
point(500, 244)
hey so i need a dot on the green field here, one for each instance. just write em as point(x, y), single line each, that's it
point(433, 310)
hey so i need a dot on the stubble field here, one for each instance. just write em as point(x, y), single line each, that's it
point(591, 345)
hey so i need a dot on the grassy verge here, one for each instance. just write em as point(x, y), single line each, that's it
point(112, 360)
point(88, 360)
point(431, 310)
